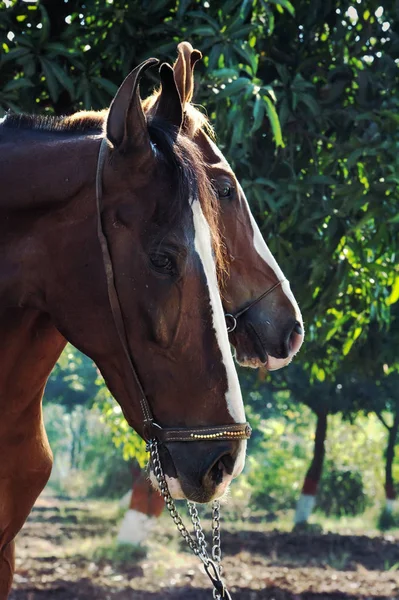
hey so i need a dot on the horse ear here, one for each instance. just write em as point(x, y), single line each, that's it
point(184, 70)
point(168, 105)
point(126, 123)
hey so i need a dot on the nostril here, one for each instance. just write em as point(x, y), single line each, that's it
point(227, 462)
point(223, 464)
point(216, 472)
point(296, 338)
point(298, 328)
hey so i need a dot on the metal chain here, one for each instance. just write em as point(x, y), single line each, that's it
point(170, 505)
point(216, 544)
point(198, 531)
point(198, 545)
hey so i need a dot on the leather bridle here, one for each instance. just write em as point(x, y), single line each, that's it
point(151, 429)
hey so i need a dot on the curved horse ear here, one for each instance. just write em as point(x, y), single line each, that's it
point(184, 70)
point(168, 105)
point(126, 122)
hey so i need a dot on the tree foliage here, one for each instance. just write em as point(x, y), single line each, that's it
point(304, 99)
point(305, 105)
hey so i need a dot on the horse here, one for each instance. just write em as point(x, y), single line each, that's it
point(109, 239)
point(265, 322)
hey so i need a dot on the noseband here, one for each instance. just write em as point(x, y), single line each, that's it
point(152, 431)
point(233, 318)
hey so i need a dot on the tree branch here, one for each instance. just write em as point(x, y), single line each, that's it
point(383, 421)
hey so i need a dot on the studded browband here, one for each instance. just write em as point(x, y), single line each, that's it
point(151, 430)
point(237, 431)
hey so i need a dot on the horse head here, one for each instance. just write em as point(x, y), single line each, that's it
point(264, 317)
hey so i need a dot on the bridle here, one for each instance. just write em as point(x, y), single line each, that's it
point(233, 318)
point(151, 429)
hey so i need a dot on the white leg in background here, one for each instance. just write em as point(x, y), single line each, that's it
point(135, 528)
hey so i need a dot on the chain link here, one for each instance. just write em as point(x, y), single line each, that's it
point(198, 545)
point(216, 544)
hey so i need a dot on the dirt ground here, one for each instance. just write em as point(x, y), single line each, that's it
point(66, 552)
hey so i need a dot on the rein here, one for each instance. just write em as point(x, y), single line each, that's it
point(155, 434)
point(233, 318)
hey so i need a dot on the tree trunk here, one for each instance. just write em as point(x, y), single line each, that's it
point(390, 494)
point(307, 498)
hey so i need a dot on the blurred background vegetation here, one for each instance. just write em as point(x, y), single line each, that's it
point(304, 99)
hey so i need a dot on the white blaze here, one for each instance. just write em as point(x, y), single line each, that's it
point(263, 251)
point(261, 246)
point(203, 247)
point(235, 405)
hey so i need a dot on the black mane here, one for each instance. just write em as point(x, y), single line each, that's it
point(88, 123)
point(177, 154)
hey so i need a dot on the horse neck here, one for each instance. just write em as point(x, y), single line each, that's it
point(48, 184)
point(43, 169)
point(29, 348)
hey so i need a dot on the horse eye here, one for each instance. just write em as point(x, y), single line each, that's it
point(162, 263)
point(224, 192)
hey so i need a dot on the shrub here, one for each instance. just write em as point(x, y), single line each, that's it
point(342, 493)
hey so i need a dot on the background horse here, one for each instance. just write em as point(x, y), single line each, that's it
point(53, 288)
point(269, 330)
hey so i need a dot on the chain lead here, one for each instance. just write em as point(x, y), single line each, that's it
point(198, 545)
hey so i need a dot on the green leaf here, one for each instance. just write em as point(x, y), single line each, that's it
point(258, 113)
point(249, 55)
point(274, 121)
point(204, 30)
point(63, 78)
point(310, 103)
point(106, 84)
point(45, 22)
point(394, 295)
point(14, 54)
point(322, 180)
point(51, 80)
point(235, 87)
point(17, 84)
point(59, 49)
point(205, 17)
point(347, 346)
point(285, 3)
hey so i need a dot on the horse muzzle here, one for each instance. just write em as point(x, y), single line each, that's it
point(200, 471)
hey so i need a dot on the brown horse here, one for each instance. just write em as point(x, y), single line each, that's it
point(94, 221)
point(267, 325)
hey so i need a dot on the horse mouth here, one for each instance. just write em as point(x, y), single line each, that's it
point(249, 348)
point(180, 487)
